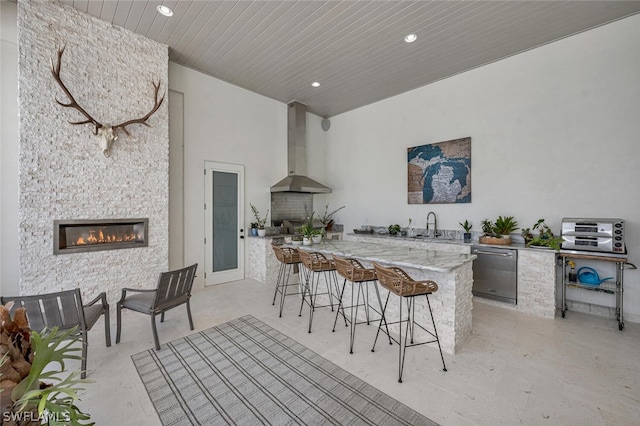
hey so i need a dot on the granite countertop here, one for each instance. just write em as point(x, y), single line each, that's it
point(432, 260)
point(456, 241)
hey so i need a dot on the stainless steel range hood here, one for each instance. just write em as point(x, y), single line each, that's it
point(296, 181)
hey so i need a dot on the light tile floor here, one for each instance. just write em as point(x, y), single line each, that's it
point(514, 369)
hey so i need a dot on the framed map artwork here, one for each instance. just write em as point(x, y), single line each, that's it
point(440, 173)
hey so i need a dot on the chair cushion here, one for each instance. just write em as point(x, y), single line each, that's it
point(140, 302)
point(91, 314)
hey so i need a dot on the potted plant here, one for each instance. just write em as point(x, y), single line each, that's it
point(545, 237)
point(488, 229)
point(394, 229)
point(498, 232)
point(327, 218)
point(308, 231)
point(467, 230)
point(27, 359)
point(260, 222)
point(505, 226)
point(316, 236)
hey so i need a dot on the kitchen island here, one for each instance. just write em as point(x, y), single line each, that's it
point(452, 304)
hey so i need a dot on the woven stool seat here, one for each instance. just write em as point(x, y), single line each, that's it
point(352, 270)
point(289, 259)
point(315, 261)
point(286, 254)
point(317, 265)
point(398, 282)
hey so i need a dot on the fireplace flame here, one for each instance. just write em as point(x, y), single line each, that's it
point(102, 238)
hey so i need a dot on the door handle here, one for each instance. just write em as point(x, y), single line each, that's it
point(493, 254)
point(242, 237)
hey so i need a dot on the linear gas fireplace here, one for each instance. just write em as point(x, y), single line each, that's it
point(79, 235)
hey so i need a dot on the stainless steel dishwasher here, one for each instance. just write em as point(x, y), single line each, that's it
point(495, 273)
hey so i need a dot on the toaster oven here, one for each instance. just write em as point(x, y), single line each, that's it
point(588, 234)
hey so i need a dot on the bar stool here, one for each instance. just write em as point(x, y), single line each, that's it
point(399, 283)
point(317, 265)
point(289, 259)
point(352, 270)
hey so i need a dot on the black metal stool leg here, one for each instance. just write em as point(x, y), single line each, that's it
point(367, 303)
point(400, 345)
point(381, 321)
point(435, 331)
point(275, 293)
point(313, 295)
point(354, 315)
point(382, 315)
point(283, 289)
point(344, 284)
point(341, 306)
point(305, 290)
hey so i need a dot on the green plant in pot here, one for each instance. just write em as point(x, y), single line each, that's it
point(260, 222)
point(467, 230)
point(545, 237)
point(327, 218)
point(498, 232)
point(488, 229)
point(394, 229)
point(308, 231)
point(505, 225)
point(27, 360)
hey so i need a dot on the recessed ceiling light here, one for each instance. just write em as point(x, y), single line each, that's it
point(164, 10)
point(410, 38)
point(315, 84)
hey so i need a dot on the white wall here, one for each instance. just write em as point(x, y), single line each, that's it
point(227, 124)
point(9, 253)
point(224, 123)
point(554, 134)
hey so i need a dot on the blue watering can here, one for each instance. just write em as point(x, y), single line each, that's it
point(589, 276)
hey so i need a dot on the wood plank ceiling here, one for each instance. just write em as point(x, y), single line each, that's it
point(355, 49)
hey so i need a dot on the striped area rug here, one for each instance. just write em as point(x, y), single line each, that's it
point(246, 373)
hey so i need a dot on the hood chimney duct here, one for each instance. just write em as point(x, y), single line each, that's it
point(296, 180)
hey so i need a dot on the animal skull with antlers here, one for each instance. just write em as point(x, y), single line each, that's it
point(107, 133)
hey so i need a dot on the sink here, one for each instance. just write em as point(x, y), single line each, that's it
point(434, 239)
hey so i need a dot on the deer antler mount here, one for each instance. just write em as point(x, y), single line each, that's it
point(107, 133)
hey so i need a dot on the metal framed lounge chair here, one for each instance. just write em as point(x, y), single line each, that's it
point(174, 289)
point(65, 310)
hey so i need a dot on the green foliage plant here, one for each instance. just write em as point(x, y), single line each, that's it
point(505, 225)
point(260, 222)
point(327, 217)
point(55, 400)
point(466, 226)
point(545, 237)
point(394, 229)
point(488, 229)
point(307, 229)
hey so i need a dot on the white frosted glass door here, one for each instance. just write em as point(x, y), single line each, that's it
point(224, 238)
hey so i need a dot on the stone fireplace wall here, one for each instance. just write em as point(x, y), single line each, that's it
point(63, 173)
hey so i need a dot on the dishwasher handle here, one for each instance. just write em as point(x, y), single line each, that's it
point(491, 253)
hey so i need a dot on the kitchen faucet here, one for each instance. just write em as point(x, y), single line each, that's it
point(435, 224)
